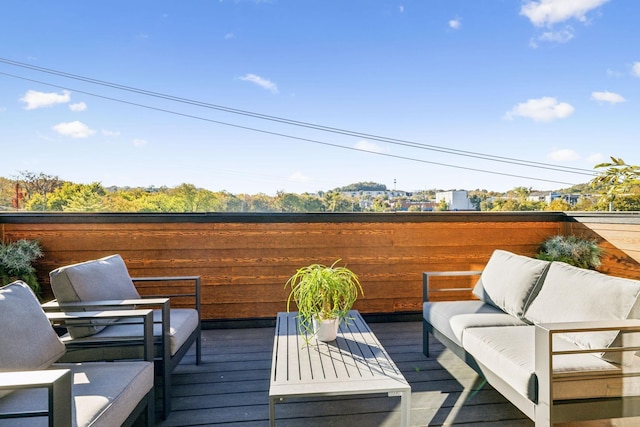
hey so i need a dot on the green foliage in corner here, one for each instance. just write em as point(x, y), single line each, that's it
point(16, 263)
point(576, 251)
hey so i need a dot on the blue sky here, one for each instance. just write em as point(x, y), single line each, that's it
point(555, 82)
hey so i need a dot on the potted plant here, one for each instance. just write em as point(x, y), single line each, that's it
point(16, 263)
point(576, 251)
point(324, 295)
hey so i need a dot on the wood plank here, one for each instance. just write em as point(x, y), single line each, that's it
point(227, 389)
point(244, 264)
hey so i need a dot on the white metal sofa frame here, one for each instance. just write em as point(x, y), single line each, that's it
point(58, 382)
point(165, 362)
point(546, 411)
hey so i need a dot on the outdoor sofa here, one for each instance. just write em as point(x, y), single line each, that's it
point(36, 390)
point(105, 284)
point(558, 341)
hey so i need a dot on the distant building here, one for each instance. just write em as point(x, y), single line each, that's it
point(549, 196)
point(455, 200)
point(391, 194)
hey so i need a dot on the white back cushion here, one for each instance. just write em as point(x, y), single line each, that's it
point(27, 339)
point(97, 280)
point(510, 281)
point(572, 294)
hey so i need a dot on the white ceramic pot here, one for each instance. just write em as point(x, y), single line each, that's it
point(327, 329)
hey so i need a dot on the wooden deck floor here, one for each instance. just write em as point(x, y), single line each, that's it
point(231, 386)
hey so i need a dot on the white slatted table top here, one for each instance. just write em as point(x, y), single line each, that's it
point(355, 363)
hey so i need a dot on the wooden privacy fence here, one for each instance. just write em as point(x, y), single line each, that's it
point(244, 260)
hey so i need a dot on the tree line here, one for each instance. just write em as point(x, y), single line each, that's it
point(615, 187)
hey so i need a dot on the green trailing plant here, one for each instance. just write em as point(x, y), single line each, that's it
point(16, 262)
point(576, 251)
point(323, 293)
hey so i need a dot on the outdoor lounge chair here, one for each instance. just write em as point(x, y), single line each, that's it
point(105, 284)
point(35, 390)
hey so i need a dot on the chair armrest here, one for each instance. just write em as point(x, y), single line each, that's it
point(144, 317)
point(121, 304)
point(427, 274)
point(196, 286)
point(58, 384)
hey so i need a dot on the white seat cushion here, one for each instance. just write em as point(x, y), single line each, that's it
point(183, 322)
point(452, 317)
point(509, 352)
point(104, 394)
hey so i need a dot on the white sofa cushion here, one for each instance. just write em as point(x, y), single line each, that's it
point(27, 339)
point(104, 394)
point(510, 281)
point(451, 318)
point(102, 279)
point(509, 353)
point(572, 294)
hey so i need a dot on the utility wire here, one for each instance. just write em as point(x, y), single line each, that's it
point(471, 154)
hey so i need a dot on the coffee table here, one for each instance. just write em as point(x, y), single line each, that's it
point(355, 363)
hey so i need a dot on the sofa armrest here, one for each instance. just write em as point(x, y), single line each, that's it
point(544, 351)
point(427, 274)
point(58, 384)
point(144, 317)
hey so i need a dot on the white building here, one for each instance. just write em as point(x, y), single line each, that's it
point(455, 200)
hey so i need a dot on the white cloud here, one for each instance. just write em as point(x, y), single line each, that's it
point(596, 158)
point(262, 82)
point(369, 146)
point(635, 69)
point(3, 109)
point(229, 36)
point(401, 9)
point(79, 106)
point(455, 23)
point(35, 99)
point(564, 155)
point(106, 132)
point(74, 129)
point(299, 177)
point(610, 97)
point(561, 36)
point(614, 73)
point(549, 12)
point(139, 142)
point(543, 109)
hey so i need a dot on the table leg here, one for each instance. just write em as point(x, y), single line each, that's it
point(272, 412)
point(405, 403)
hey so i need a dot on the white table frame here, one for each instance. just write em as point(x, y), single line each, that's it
point(355, 363)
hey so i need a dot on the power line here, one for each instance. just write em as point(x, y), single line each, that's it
point(472, 154)
point(296, 123)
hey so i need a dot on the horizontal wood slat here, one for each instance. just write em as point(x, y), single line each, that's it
point(245, 264)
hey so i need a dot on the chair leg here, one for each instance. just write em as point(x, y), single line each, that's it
point(151, 409)
point(425, 338)
point(198, 350)
point(166, 390)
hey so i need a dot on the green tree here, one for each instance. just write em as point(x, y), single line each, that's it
point(7, 193)
point(558, 204)
point(39, 184)
point(615, 178)
point(75, 198)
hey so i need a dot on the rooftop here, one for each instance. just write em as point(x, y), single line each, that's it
point(231, 387)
